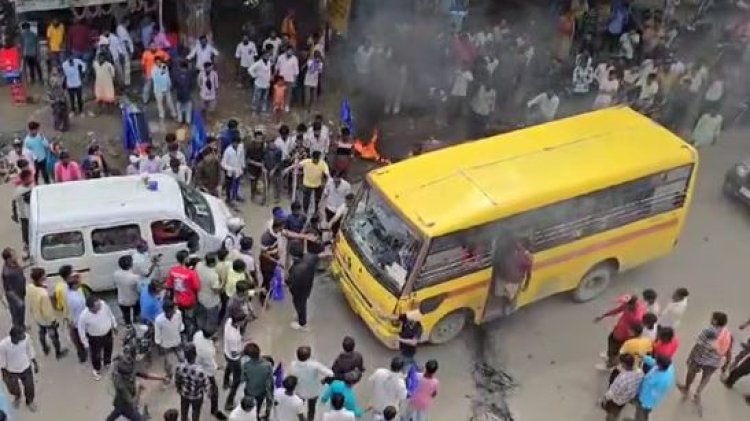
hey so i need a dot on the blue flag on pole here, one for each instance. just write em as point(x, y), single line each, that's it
point(198, 130)
point(278, 376)
point(346, 115)
point(277, 284)
point(412, 380)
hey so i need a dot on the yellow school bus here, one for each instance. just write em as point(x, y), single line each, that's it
point(475, 231)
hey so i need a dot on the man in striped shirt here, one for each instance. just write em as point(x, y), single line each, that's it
point(624, 387)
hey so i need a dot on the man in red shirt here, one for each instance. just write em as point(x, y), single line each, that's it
point(631, 311)
point(182, 285)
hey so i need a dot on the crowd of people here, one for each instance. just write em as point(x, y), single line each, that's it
point(280, 71)
point(641, 349)
point(501, 75)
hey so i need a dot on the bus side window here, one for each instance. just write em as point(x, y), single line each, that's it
point(453, 256)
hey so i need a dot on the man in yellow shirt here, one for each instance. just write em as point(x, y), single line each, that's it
point(55, 39)
point(43, 313)
point(638, 345)
point(314, 176)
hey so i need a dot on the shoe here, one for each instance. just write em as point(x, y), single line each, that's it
point(61, 354)
point(96, 375)
point(45, 351)
point(219, 415)
point(32, 406)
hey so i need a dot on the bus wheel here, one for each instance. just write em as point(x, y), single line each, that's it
point(594, 282)
point(448, 327)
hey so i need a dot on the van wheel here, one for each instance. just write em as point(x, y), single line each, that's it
point(594, 282)
point(448, 327)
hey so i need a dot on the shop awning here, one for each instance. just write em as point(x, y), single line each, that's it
point(23, 6)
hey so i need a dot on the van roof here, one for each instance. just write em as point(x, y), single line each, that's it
point(481, 181)
point(79, 203)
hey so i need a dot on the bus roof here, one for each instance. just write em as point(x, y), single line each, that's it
point(481, 181)
point(78, 203)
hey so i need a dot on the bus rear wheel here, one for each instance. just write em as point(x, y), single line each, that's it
point(448, 327)
point(594, 282)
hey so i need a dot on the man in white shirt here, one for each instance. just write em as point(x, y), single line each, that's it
point(260, 71)
point(287, 66)
point(206, 358)
point(482, 105)
point(309, 374)
point(17, 358)
point(334, 194)
point(168, 329)
point(74, 69)
point(232, 354)
point(460, 89)
point(233, 164)
point(127, 41)
point(202, 53)
point(245, 411)
point(116, 49)
point(209, 297)
point(245, 53)
point(274, 42)
point(388, 387)
point(96, 326)
point(673, 312)
point(543, 107)
point(318, 138)
point(19, 152)
point(649, 89)
point(179, 171)
point(338, 412)
point(288, 406)
point(285, 143)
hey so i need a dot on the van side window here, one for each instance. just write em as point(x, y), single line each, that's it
point(62, 245)
point(171, 231)
point(114, 239)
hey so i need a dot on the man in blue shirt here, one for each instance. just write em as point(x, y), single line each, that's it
point(30, 49)
point(151, 302)
point(39, 147)
point(655, 386)
point(162, 83)
point(74, 69)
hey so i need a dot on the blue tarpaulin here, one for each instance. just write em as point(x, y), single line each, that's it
point(346, 115)
point(134, 129)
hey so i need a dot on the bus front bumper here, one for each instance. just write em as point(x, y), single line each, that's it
point(380, 328)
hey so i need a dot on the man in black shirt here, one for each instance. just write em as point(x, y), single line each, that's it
point(126, 392)
point(349, 361)
point(301, 277)
point(14, 285)
point(410, 336)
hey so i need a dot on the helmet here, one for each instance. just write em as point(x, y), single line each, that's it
point(235, 224)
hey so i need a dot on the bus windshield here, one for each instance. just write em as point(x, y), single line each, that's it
point(197, 208)
point(384, 242)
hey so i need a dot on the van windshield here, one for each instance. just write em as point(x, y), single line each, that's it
point(197, 208)
point(383, 241)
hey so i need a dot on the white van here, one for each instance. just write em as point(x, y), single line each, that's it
point(90, 224)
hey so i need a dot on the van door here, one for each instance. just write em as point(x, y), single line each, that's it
point(168, 236)
point(108, 244)
point(56, 249)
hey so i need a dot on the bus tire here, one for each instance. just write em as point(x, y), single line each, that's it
point(594, 282)
point(449, 327)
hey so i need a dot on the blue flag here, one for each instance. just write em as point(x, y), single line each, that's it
point(278, 376)
point(412, 380)
point(277, 284)
point(198, 130)
point(346, 115)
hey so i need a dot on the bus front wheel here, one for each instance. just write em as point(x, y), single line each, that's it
point(448, 327)
point(594, 282)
